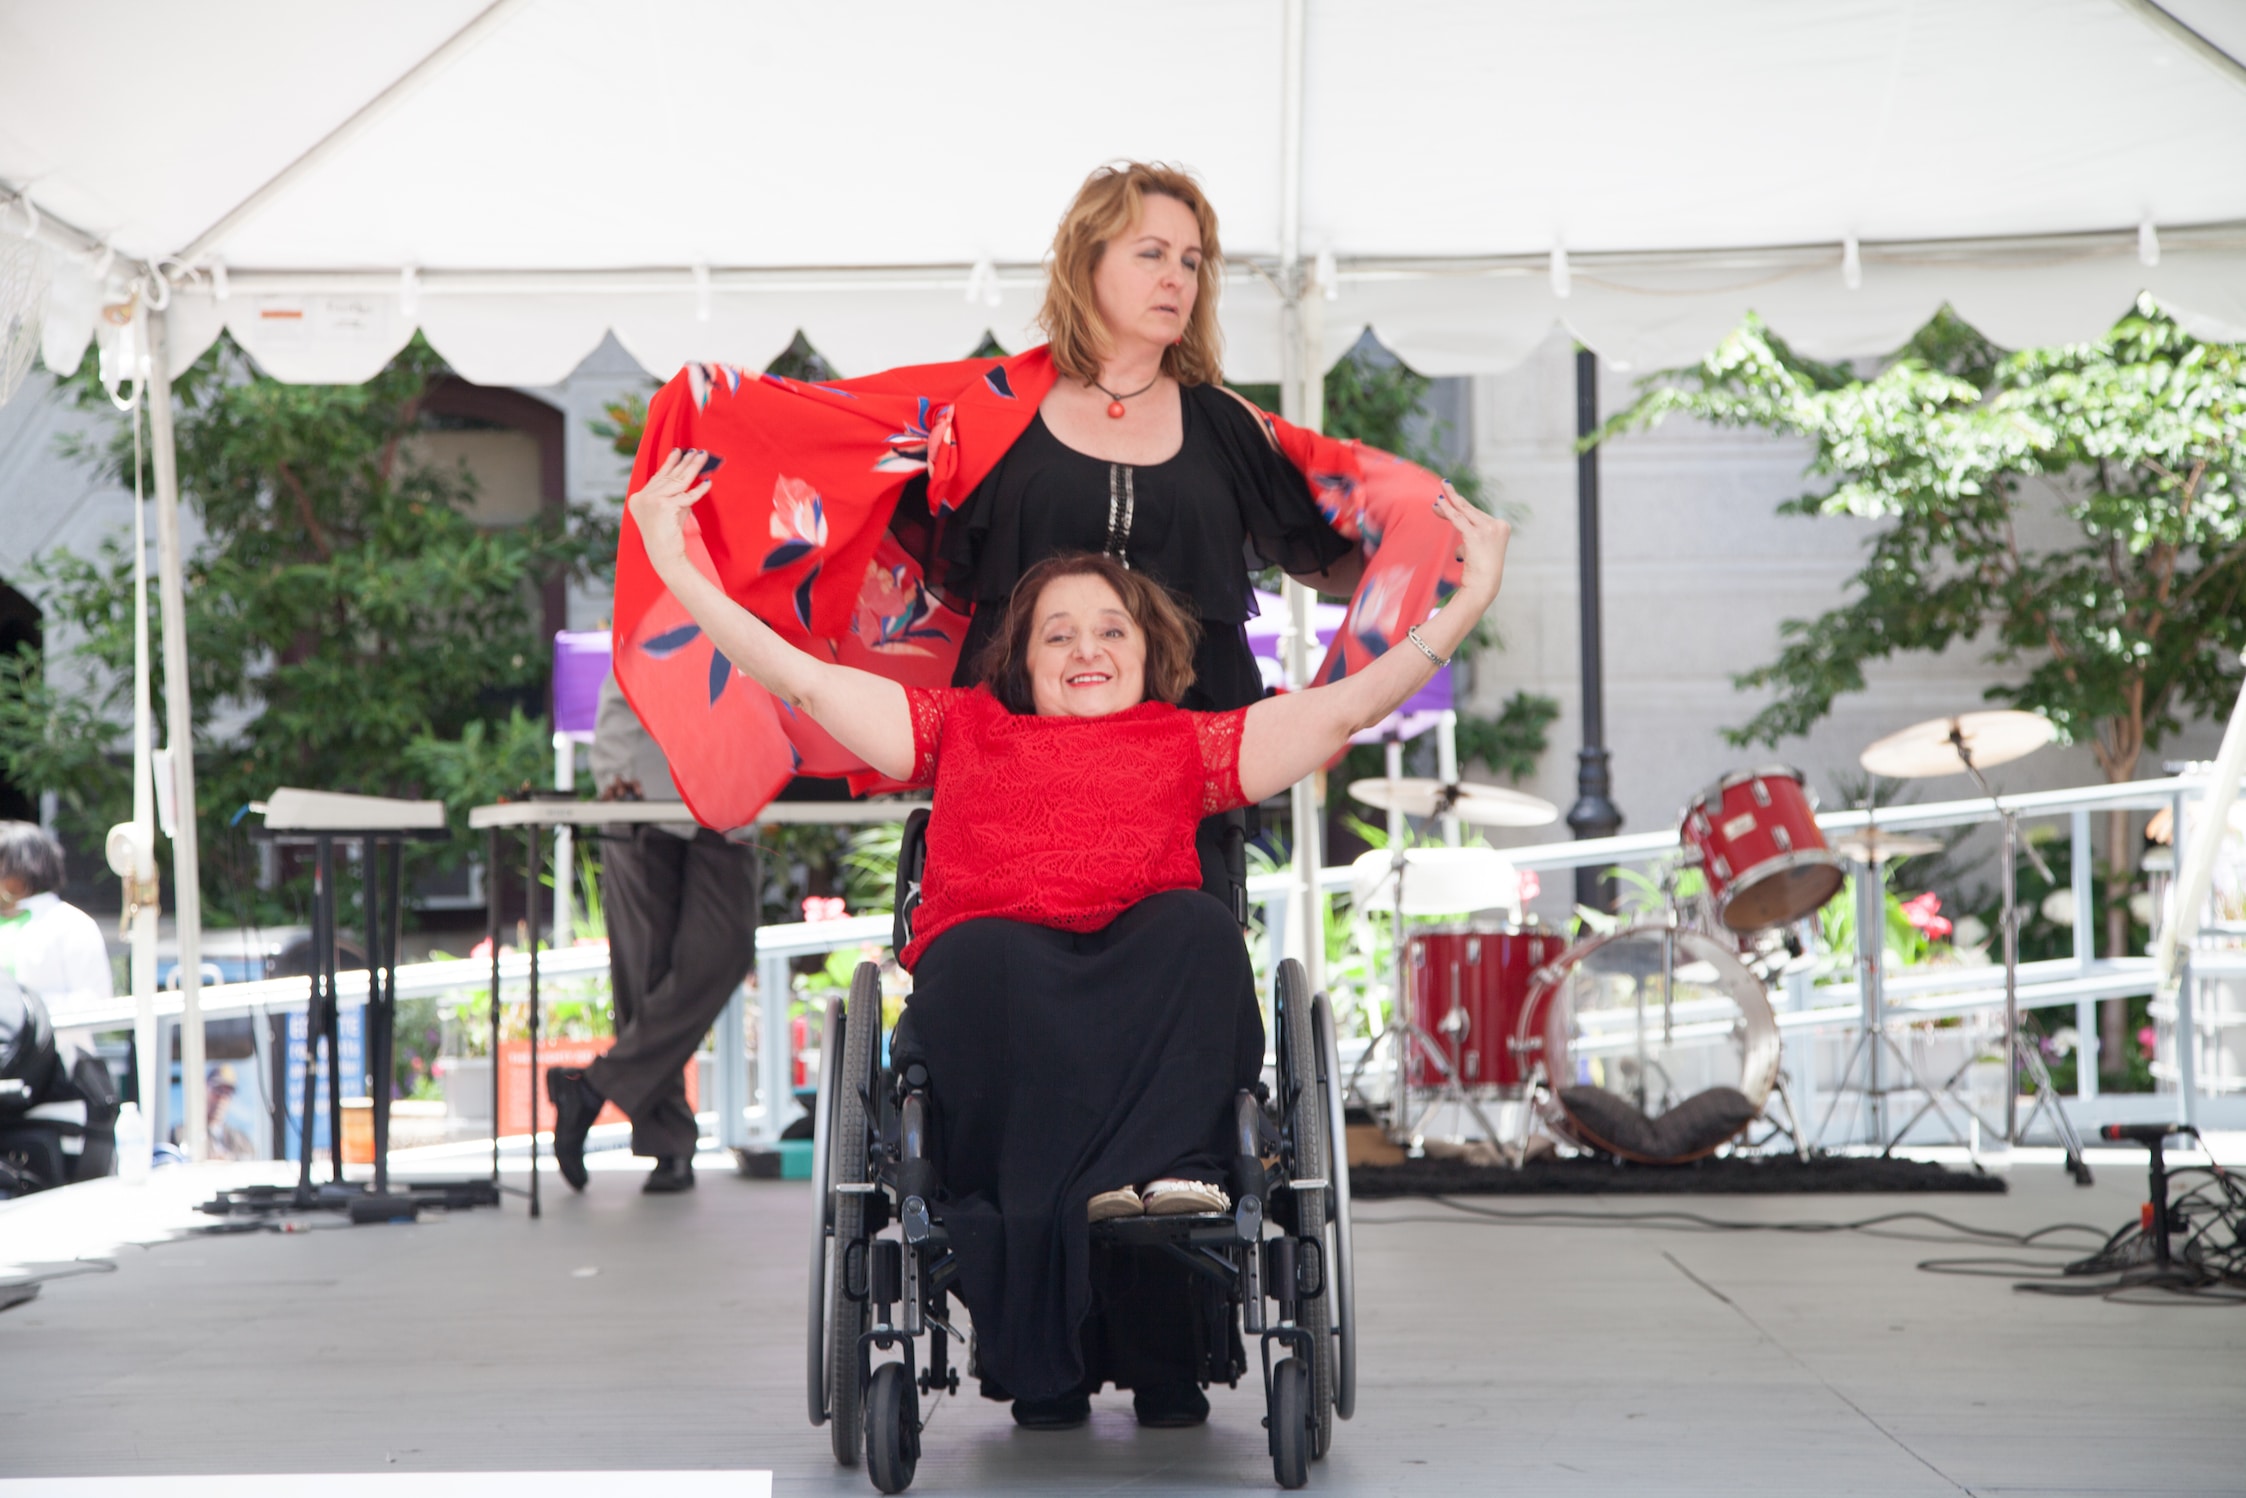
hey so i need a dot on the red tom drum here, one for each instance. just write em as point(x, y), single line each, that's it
point(1755, 834)
point(1468, 985)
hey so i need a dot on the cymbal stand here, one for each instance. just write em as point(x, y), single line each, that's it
point(1873, 1044)
point(2019, 1056)
point(1403, 1128)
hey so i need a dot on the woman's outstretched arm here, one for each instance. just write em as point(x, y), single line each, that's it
point(1286, 737)
point(866, 713)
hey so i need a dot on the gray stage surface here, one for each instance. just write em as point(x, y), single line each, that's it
point(635, 1333)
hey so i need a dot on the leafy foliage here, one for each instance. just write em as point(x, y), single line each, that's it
point(345, 616)
point(2125, 621)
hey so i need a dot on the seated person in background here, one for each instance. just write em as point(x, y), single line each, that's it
point(1085, 1011)
point(50, 947)
point(55, 954)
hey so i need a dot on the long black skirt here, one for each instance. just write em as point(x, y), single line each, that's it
point(1065, 1064)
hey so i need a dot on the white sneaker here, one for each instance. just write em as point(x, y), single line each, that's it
point(1110, 1204)
point(1174, 1198)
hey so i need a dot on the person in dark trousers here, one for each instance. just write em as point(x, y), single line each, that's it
point(680, 903)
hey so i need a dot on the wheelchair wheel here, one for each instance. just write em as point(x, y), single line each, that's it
point(892, 1429)
point(848, 1315)
point(1341, 1265)
point(822, 1209)
point(1290, 1423)
point(1309, 1154)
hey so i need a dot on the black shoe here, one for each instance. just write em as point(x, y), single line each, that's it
point(576, 1104)
point(1171, 1406)
point(671, 1173)
point(1065, 1413)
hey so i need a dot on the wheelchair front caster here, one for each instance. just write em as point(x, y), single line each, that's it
point(1290, 1423)
point(892, 1428)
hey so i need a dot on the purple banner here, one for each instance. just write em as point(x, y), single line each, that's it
point(580, 666)
point(1422, 712)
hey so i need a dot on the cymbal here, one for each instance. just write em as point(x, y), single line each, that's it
point(1483, 805)
point(1437, 881)
point(1871, 845)
point(1925, 749)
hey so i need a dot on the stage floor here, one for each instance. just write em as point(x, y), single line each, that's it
point(666, 1333)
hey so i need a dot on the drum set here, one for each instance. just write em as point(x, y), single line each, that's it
point(1654, 1040)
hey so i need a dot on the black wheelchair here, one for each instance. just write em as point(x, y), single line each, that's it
point(1277, 1267)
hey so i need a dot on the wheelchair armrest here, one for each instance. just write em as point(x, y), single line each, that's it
point(1250, 1182)
point(1234, 846)
point(912, 865)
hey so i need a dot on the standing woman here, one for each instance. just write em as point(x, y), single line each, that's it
point(1138, 452)
point(884, 518)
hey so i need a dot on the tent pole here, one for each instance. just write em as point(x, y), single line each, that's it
point(403, 87)
point(179, 734)
point(2195, 872)
point(1301, 401)
point(145, 899)
point(2175, 30)
point(565, 843)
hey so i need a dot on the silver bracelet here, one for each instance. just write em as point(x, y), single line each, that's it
point(1426, 649)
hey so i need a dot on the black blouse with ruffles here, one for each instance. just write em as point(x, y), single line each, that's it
point(1197, 523)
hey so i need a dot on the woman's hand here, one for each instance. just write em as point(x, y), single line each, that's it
point(1482, 542)
point(867, 713)
point(659, 508)
point(1288, 736)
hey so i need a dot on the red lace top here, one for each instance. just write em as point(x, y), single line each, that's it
point(1064, 822)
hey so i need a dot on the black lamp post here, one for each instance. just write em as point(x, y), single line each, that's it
point(1594, 813)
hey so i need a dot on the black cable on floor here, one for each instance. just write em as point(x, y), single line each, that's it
point(1677, 1219)
point(2207, 1242)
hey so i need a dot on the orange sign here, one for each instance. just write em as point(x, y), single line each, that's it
point(516, 1094)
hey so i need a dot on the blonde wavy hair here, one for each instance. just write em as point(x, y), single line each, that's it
point(1109, 202)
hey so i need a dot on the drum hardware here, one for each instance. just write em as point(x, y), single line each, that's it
point(1871, 845)
point(1461, 878)
point(1755, 834)
point(1791, 1128)
point(1874, 1047)
point(1469, 801)
point(1970, 742)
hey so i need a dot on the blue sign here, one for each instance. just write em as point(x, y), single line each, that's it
point(352, 1028)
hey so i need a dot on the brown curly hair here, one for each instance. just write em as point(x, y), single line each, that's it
point(1170, 629)
point(1106, 206)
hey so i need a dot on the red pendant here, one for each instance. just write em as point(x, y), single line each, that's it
point(1115, 410)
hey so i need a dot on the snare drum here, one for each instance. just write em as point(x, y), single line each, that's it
point(1755, 834)
point(1468, 985)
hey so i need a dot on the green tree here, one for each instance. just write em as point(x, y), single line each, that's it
point(2072, 512)
point(347, 623)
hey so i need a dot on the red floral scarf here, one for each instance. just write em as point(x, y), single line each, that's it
point(803, 482)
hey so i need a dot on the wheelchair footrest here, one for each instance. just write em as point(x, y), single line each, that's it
point(1196, 1227)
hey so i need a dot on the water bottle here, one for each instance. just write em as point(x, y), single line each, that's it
point(132, 1146)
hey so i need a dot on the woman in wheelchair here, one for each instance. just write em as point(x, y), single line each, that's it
point(1086, 1013)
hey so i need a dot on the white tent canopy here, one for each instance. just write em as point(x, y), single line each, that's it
point(705, 177)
